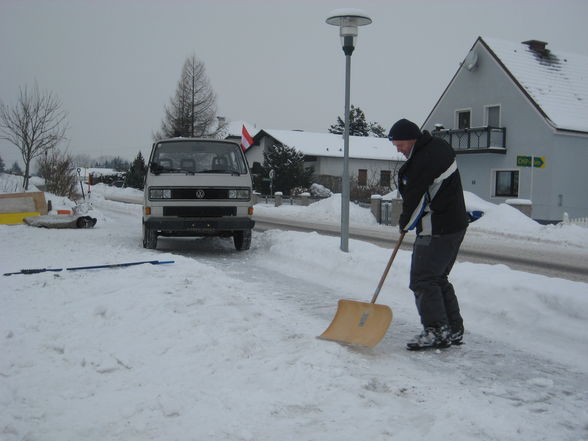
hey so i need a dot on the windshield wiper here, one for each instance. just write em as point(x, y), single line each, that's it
point(216, 170)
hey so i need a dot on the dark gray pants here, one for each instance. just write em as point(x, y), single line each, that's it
point(432, 260)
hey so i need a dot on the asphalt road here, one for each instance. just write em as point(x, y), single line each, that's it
point(540, 257)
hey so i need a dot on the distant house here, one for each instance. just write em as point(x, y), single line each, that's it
point(372, 161)
point(513, 105)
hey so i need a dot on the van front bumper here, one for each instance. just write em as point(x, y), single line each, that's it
point(199, 225)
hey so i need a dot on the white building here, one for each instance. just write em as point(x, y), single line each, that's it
point(513, 105)
point(372, 161)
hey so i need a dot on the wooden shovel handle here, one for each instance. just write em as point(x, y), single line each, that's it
point(392, 257)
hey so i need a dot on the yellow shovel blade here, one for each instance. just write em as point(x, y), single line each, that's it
point(359, 323)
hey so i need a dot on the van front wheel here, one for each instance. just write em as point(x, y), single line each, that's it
point(242, 240)
point(149, 237)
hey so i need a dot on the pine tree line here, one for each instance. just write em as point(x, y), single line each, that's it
point(358, 125)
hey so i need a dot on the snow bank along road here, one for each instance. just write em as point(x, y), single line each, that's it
point(541, 257)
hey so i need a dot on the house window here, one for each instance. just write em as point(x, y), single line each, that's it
point(507, 183)
point(493, 116)
point(362, 177)
point(463, 119)
point(385, 176)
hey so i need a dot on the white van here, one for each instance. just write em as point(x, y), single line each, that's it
point(197, 187)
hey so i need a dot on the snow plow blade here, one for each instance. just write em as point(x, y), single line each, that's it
point(359, 323)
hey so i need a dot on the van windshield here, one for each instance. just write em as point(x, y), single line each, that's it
point(197, 157)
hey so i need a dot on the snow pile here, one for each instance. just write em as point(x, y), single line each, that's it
point(324, 211)
point(128, 194)
point(507, 221)
point(96, 171)
point(320, 191)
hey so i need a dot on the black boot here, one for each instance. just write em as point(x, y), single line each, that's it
point(431, 338)
point(456, 335)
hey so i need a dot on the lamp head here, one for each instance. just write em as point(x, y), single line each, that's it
point(348, 21)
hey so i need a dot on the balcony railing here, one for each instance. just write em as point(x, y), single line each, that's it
point(475, 139)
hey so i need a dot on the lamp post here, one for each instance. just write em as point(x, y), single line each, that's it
point(348, 21)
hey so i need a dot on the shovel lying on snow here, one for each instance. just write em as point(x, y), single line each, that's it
point(361, 323)
point(112, 265)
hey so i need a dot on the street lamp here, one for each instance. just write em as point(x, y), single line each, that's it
point(348, 21)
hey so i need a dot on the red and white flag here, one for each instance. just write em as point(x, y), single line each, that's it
point(246, 139)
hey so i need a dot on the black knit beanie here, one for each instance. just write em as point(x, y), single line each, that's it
point(404, 129)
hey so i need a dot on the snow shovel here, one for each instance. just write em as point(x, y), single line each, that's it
point(112, 265)
point(361, 323)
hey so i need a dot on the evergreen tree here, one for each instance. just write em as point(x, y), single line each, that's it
point(136, 174)
point(358, 125)
point(15, 169)
point(288, 167)
point(1, 165)
point(118, 164)
point(377, 130)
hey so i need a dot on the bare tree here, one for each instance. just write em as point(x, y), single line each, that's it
point(35, 125)
point(192, 110)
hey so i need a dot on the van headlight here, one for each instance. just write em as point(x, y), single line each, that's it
point(239, 193)
point(159, 193)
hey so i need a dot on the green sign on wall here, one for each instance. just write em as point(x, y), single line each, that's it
point(525, 161)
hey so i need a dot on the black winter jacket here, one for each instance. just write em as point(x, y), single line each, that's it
point(431, 190)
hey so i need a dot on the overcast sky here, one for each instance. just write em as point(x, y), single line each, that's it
point(273, 63)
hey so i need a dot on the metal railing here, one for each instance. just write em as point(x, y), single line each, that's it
point(474, 138)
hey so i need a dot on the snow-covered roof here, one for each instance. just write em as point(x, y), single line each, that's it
point(557, 82)
point(328, 144)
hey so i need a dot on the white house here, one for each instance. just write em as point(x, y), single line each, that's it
point(372, 161)
point(513, 105)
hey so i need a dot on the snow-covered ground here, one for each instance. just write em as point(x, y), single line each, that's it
point(220, 345)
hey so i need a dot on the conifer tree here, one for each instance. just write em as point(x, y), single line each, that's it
point(1, 165)
point(358, 125)
point(136, 174)
point(15, 169)
point(288, 168)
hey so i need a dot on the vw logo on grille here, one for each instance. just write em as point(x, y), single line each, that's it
point(200, 194)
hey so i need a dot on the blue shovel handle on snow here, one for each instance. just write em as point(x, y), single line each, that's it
point(113, 265)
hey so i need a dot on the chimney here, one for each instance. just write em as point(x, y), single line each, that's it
point(537, 47)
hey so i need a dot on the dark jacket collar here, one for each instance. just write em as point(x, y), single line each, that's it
point(423, 140)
